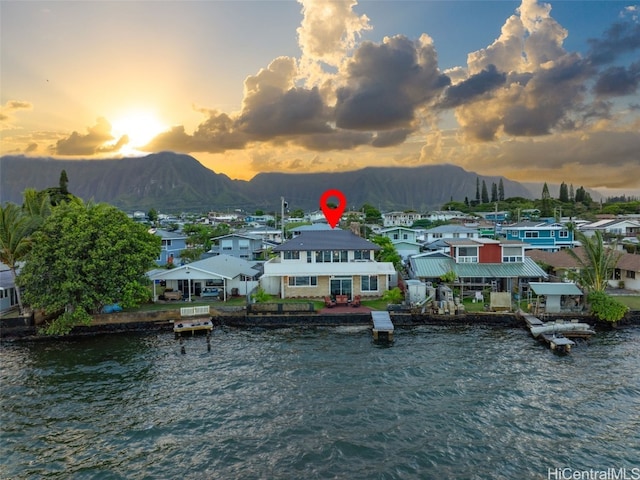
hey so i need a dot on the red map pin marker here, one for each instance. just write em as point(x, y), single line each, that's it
point(333, 214)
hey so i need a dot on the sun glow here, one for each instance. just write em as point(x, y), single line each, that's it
point(139, 126)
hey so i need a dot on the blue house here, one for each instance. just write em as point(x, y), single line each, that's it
point(244, 246)
point(403, 239)
point(172, 244)
point(550, 237)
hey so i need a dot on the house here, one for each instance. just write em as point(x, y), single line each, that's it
point(540, 235)
point(403, 239)
point(8, 296)
point(231, 275)
point(400, 219)
point(247, 247)
point(326, 263)
point(172, 244)
point(443, 232)
point(479, 263)
point(562, 265)
point(310, 228)
point(619, 227)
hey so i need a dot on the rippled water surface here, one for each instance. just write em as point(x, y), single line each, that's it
point(467, 403)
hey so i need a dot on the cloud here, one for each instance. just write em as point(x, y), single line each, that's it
point(95, 141)
point(387, 82)
point(619, 80)
point(8, 109)
point(475, 86)
point(622, 37)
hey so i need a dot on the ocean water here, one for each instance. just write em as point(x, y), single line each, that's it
point(320, 403)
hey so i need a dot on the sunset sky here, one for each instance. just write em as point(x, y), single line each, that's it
point(529, 90)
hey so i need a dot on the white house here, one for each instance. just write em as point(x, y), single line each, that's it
point(624, 228)
point(326, 263)
point(228, 274)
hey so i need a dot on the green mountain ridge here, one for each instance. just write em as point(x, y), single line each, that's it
point(172, 182)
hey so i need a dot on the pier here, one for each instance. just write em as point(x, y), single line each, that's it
point(382, 326)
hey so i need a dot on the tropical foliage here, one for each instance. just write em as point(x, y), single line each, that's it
point(605, 307)
point(597, 264)
point(83, 257)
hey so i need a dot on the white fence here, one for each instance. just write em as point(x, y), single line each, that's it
point(194, 311)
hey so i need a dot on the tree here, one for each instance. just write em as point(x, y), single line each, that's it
point(152, 215)
point(597, 263)
point(371, 214)
point(606, 307)
point(388, 252)
point(15, 240)
point(485, 193)
point(501, 191)
point(564, 193)
point(477, 189)
point(494, 192)
point(86, 256)
point(64, 182)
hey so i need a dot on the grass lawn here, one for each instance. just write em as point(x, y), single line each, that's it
point(631, 301)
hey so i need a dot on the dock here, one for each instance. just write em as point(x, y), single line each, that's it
point(382, 326)
point(193, 319)
point(549, 333)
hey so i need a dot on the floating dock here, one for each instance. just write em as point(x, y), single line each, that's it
point(553, 334)
point(382, 327)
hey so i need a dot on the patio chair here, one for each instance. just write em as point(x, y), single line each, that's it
point(329, 302)
point(356, 301)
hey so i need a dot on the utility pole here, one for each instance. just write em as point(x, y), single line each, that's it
point(283, 205)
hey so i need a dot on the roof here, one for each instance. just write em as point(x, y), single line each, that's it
point(451, 229)
point(224, 266)
point(436, 266)
point(335, 239)
point(555, 288)
point(168, 235)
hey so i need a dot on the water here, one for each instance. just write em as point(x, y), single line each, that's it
point(442, 402)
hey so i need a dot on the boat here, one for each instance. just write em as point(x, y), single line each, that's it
point(567, 329)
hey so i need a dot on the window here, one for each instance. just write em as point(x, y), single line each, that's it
point(531, 234)
point(511, 254)
point(369, 283)
point(291, 255)
point(564, 233)
point(243, 244)
point(339, 256)
point(166, 243)
point(309, 256)
point(395, 236)
point(362, 254)
point(226, 244)
point(631, 274)
point(323, 256)
point(303, 281)
point(405, 236)
point(467, 255)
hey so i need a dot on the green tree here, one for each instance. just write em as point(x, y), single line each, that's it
point(152, 215)
point(15, 240)
point(371, 214)
point(86, 256)
point(388, 253)
point(501, 191)
point(393, 296)
point(189, 255)
point(64, 182)
point(597, 264)
point(606, 307)
point(477, 190)
point(494, 192)
point(564, 193)
point(485, 193)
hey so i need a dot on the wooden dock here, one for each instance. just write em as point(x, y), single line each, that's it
point(193, 319)
point(382, 326)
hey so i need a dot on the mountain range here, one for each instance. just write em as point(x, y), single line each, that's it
point(173, 183)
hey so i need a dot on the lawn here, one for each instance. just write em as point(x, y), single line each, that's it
point(631, 301)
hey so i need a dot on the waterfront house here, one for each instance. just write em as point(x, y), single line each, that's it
point(172, 244)
point(230, 275)
point(500, 265)
point(244, 246)
point(8, 296)
point(540, 235)
point(562, 265)
point(403, 239)
point(326, 263)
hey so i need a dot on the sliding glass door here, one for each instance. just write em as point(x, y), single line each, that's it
point(341, 286)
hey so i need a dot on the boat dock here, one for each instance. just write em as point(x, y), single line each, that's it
point(546, 332)
point(192, 320)
point(382, 326)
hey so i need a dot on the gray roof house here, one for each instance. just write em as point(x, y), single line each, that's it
point(230, 274)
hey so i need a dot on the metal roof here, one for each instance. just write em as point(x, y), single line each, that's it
point(555, 288)
point(434, 267)
point(326, 240)
point(224, 266)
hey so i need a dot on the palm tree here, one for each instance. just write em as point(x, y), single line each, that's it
point(597, 263)
point(15, 239)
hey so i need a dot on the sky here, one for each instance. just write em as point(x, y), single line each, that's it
point(532, 91)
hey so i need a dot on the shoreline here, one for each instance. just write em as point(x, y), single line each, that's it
point(19, 330)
